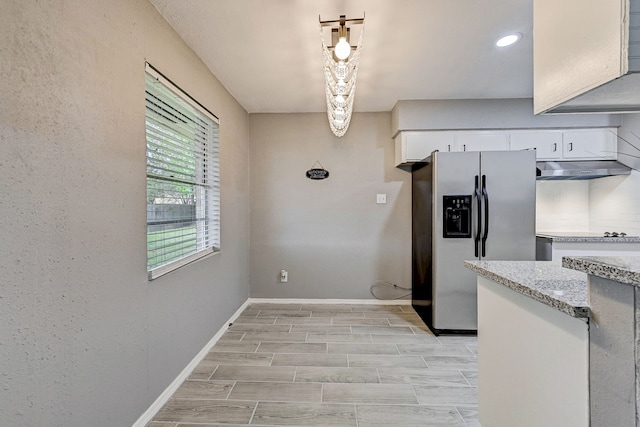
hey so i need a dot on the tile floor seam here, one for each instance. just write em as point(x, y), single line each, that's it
point(465, 378)
point(425, 361)
point(232, 387)
point(255, 408)
point(214, 371)
point(460, 414)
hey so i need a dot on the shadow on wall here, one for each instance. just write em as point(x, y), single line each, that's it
point(394, 281)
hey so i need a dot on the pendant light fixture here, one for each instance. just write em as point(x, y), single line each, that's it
point(340, 63)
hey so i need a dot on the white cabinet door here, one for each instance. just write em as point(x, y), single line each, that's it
point(476, 141)
point(548, 144)
point(593, 144)
point(567, 145)
point(422, 144)
point(415, 146)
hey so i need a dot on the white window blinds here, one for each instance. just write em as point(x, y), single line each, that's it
point(183, 177)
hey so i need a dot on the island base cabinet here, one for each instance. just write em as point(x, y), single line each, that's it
point(533, 362)
point(613, 340)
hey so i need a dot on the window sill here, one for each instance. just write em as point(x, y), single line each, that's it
point(167, 268)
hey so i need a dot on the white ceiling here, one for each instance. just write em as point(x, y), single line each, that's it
point(267, 53)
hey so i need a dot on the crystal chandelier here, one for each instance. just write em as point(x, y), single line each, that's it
point(340, 63)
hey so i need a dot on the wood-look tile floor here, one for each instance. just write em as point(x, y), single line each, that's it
point(329, 365)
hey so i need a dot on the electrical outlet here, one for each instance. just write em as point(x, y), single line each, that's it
point(381, 198)
point(284, 276)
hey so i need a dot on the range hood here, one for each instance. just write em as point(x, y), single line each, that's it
point(590, 169)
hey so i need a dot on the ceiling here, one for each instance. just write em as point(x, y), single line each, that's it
point(267, 53)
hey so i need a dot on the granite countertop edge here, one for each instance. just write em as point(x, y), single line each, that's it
point(578, 311)
point(612, 268)
point(577, 238)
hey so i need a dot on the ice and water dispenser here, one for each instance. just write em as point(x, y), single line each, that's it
point(457, 216)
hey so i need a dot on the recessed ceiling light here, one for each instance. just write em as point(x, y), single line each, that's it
point(508, 40)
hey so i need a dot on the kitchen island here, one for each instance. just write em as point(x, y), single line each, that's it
point(614, 337)
point(533, 344)
point(559, 346)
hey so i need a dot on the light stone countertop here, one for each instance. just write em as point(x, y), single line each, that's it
point(584, 237)
point(544, 281)
point(624, 269)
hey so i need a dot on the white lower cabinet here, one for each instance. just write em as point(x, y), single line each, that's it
point(533, 362)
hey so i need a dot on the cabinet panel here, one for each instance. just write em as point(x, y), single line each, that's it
point(472, 141)
point(548, 144)
point(589, 144)
point(421, 144)
point(415, 146)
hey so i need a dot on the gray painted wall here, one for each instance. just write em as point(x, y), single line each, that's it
point(444, 114)
point(330, 235)
point(85, 340)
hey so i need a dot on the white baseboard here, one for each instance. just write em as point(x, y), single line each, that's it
point(177, 382)
point(164, 397)
point(329, 301)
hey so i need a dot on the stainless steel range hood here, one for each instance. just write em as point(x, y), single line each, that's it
point(580, 169)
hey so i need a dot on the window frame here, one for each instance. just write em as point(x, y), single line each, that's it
point(212, 154)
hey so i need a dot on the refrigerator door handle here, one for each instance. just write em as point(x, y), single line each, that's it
point(485, 233)
point(479, 218)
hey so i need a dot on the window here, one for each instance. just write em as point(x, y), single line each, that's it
point(183, 177)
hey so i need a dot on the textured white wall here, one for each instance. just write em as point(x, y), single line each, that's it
point(84, 338)
point(330, 235)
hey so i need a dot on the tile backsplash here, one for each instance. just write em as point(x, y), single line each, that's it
point(598, 205)
point(562, 206)
point(614, 204)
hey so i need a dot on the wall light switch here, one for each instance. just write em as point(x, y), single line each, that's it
point(381, 198)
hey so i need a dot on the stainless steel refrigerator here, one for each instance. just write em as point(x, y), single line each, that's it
point(467, 206)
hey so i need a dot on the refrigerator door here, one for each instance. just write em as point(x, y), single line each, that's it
point(509, 178)
point(453, 286)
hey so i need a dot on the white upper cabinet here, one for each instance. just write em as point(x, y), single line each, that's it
point(567, 145)
point(593, 144)
point(414, 146)
point(585, 56)
point(482, 141)
point(548, 144)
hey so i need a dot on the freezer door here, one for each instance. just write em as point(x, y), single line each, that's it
point(510, 188)
point(453, 286)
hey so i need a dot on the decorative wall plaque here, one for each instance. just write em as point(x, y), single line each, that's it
point(317, 173)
